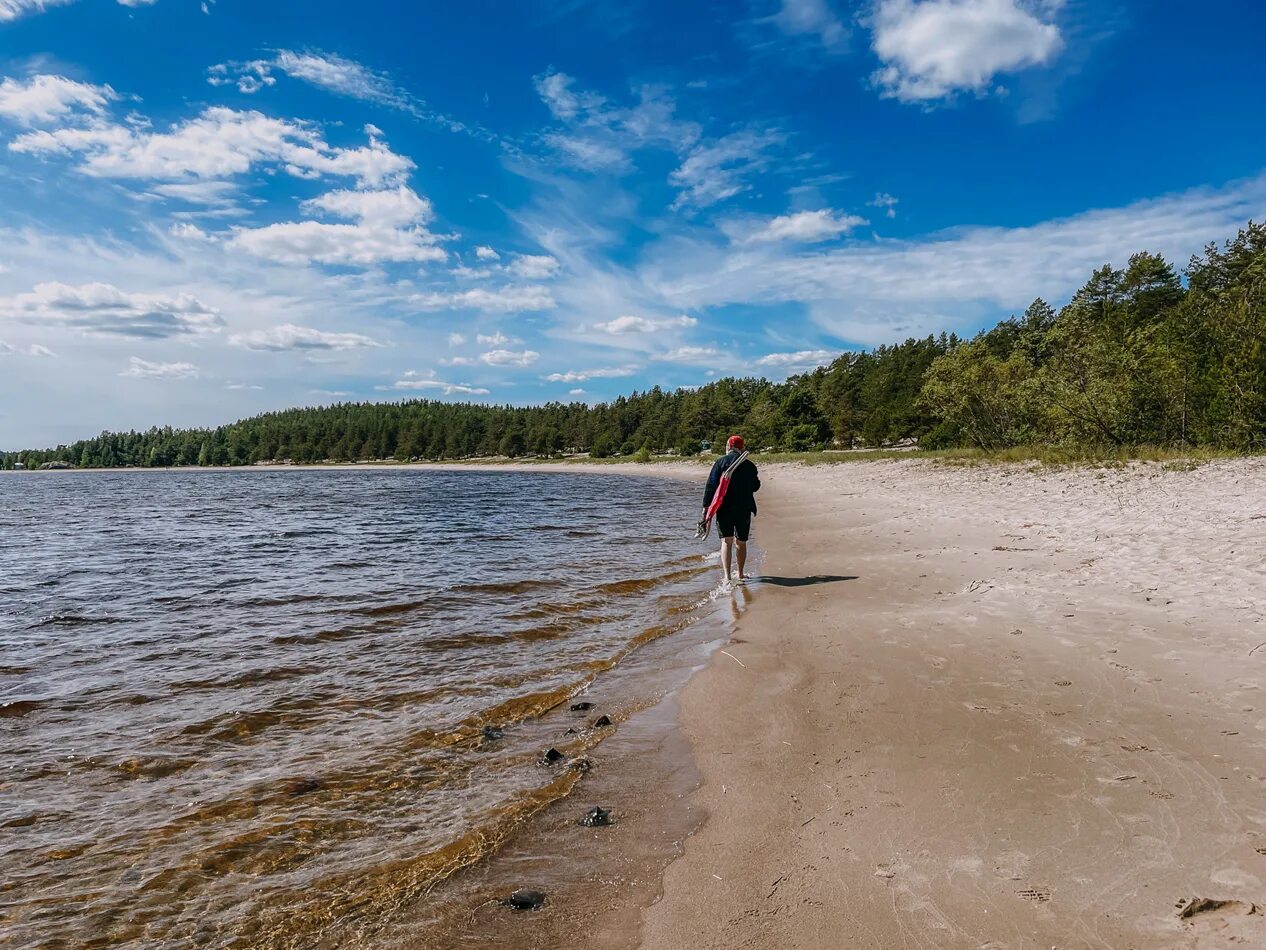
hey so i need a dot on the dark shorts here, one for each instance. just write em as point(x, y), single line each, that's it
point(732, 523)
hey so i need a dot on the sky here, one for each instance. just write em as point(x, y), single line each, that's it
point(214, 209)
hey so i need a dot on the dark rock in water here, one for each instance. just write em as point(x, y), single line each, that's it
point(525, 900)
point(551, 756)
point(580, 765)
point(602, 722)
point(581, 707)
point(596, 818)
point(302, 786)
point(493, 732)
point(18, 707)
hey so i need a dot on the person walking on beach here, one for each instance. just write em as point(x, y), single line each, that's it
point(738, 503)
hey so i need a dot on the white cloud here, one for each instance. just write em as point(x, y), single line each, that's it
point(392, 207)
point(188, 232)
point(692, 354)
point(802, 361)
point(510, 357)
point(717, 170)
point(575, 392)
point(219, 143)
point(806, 227)
point(456, 339)
point(811, 18)
point(33, 349)
point(379, 234)
point(144, 369)
point(104, 309)
point(555, 90)
point(504, 299)
point(413, 382)
point(885, 201)
point(485, 253)
point(534, 266)
point(584, 375)
point(291, 337)
point(328, 71)
point(459, 361)
point(631, 324)
point(237, 387)
point(206, 192)
point(303, 242)
point(495, 339)
point(44, 98)
point(343, 76)
point(933, 48)
point(12, 9)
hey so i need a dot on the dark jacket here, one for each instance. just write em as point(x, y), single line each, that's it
point(744, 484)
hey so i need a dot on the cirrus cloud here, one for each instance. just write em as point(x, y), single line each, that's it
point(505, 299)
point(13, 9)
point(692, 354)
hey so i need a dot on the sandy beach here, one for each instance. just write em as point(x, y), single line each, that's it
point(986, 707)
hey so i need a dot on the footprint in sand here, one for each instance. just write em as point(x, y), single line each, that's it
point(1234, 877)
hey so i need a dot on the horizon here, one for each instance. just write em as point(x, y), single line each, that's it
point(302, 208)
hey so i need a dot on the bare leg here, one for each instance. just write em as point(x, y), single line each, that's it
point(727, 555)
point(742, 558)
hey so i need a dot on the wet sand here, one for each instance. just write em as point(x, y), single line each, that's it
point(986, 707)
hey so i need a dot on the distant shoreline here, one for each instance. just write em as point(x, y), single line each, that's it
point(681, 468)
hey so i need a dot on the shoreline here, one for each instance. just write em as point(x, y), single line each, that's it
point(678, 468)
point(1014, 709)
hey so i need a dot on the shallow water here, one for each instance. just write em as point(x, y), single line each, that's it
point(248, 708)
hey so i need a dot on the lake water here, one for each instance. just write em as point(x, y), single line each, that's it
point(265, 708)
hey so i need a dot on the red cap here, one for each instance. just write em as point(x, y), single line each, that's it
point(735, 442)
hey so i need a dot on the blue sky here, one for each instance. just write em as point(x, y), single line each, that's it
point(213, 209)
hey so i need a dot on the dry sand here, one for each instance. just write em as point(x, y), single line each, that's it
point(986, 707)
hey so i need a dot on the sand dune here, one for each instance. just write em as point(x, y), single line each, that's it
point(987, 707)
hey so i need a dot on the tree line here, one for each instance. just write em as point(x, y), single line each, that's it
point(1138, 356)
